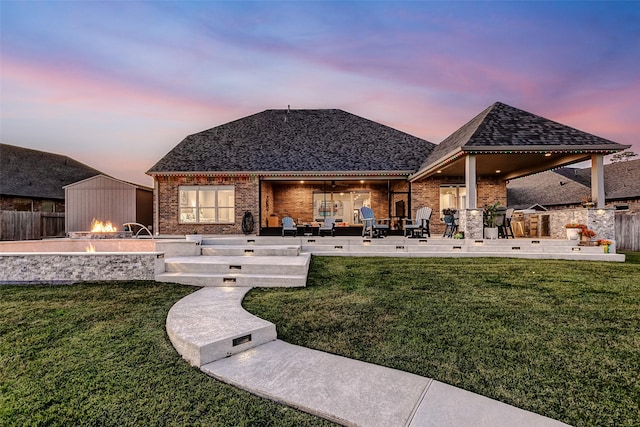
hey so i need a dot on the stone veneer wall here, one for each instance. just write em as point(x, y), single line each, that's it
point(246, 189)
point(470, 222)
point(78, 267)
point(602, 221)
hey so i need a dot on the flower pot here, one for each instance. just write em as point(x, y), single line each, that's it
point(605, 248)
point(194, 238)
point(491, 233)
point(573, 233)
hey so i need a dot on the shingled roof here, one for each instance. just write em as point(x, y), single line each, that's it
point(501, 128)
point(31, 173)
point(567, 186)
point(297, 141)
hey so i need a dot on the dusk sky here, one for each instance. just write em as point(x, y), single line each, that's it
point(118, 84)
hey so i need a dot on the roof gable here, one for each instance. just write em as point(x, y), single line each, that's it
point(502, 127)
point(297, 141)
point(31, 173)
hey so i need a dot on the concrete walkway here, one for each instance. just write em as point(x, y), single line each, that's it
point(211, 330)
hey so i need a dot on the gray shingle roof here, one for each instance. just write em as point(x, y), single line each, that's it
point(297, 141)
point(568, 185)
point(503, 126)
point(31, 173)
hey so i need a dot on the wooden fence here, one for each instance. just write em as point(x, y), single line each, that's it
point(31, 225)
point(628, 232)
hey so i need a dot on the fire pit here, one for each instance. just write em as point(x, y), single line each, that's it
point(101, 230)
point(99, 235)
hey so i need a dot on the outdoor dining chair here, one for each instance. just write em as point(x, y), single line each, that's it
point(504, 229)
point(419, 226)
point(369, 225)
point(288, 226)
point(328, 227)
point(451, 226)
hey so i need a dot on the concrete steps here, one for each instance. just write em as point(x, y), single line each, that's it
point(201, 330)
point(230, 270)
point(254, 250)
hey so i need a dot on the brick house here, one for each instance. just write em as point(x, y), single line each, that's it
point(566, 188)
point(310, 164)
point(33, 180)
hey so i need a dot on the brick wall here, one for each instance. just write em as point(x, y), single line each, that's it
point(246, 199)
point(296, 199)
point(427, 193)
point(7, 203)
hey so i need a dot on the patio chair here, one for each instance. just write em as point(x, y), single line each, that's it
point(288, 226)
point(420, 225)
point(505, 229)
point(369, 225)
point(328, 227)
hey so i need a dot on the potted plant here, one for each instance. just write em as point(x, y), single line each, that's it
point(606, 245)
point(574, 230)
point(587, 234)
point(587, 202)
point(490, 220)
point(194, 237)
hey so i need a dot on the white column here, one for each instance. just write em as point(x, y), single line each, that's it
point(470, 180)
point(597, 180)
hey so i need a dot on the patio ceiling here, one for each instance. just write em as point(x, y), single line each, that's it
point(507, 165)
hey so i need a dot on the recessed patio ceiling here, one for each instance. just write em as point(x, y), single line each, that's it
point(511, 165)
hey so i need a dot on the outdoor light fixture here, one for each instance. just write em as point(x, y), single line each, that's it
point(547, 154)
point(440, 171)
point(498, 171)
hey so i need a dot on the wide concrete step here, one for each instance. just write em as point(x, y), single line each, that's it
point(251, 250)
point(199, 327)
point(234, 280)
point(225, 265)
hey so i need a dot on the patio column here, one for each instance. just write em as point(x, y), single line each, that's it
point(470, 180)
point(597, 180)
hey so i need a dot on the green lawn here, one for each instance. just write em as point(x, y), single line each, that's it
point(555, 337)
point(98, 354)
point(558, 338)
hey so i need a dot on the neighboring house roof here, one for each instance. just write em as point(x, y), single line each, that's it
point(107, 178)
point(568, 186)
point(297, 141)
point(31, 173)
point(502, 128)
point(546, 188)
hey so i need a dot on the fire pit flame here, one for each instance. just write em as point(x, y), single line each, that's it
point(90, 248)
point(102, 227)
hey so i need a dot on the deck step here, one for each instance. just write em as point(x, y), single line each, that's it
point(251, 250)
point(265, 265)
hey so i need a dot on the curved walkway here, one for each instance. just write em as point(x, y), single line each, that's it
point(211, 330)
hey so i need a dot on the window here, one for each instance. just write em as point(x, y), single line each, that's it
point(342, 205)
point(452, 197)
point(22, 205)
point(207, 204)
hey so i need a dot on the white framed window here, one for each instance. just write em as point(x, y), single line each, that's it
point(210, 204)
point(452, 197)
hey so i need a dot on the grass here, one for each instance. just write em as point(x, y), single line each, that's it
point(98, 354)
point(554, 337)
point(557, 338)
